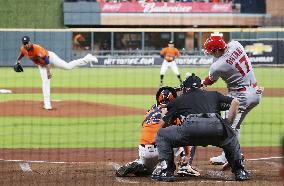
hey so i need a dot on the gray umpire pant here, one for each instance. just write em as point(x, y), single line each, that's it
point(199, 131)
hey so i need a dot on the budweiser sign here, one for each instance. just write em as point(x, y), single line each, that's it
point(165, 7)
point(124, 7)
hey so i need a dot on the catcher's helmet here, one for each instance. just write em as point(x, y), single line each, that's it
point(165, 95)
point(214, 43)
point(192, 82)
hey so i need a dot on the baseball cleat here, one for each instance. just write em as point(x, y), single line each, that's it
point(90, 58)
point(186, 170)
point(47, 107)
point(218, 160)
point(165, 175)
point(95, 59)
point(130, 167)
point(242, 175)
point(156, 173)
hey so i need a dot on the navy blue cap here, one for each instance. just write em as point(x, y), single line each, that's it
point(171, 42)
point(192, 81)
point(25, 40)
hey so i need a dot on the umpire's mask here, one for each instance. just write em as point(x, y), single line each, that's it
point(192, 82)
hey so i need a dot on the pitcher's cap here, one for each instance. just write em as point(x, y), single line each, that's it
point(25, 40)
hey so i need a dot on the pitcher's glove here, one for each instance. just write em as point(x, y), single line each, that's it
point(18, 68)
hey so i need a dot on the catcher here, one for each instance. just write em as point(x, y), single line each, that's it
point(169, 54)
point(148, 153)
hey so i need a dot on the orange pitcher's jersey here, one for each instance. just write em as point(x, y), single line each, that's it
point(150, 125)
point(36, 54)
point(170, 53)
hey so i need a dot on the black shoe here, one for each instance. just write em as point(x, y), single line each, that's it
point(242, 175)
point(131, 167)
point(165, 175)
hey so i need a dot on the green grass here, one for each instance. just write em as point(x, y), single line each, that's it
point(31, 14)
point(26, 132)
point(262, 127)
point(122, 77)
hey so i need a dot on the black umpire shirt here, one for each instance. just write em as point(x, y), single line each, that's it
point(196, 102)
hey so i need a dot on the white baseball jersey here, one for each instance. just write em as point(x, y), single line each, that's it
point(233, 67)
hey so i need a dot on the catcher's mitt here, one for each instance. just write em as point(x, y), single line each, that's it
point(18, 68)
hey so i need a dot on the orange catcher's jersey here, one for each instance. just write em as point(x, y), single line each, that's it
point(150, 125)
point(36, 54)
point(170, 53)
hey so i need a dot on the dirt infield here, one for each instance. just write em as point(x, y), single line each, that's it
point(65, 109)
point(97, 167)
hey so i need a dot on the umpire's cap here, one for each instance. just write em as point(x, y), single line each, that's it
point(25, 40)
point(192, 82)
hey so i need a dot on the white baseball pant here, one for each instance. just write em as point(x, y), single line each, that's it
point(57, 62)
point(166, 65)
point(248, 100)
point(148, 156)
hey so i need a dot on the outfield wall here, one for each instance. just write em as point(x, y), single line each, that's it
point(264, 46)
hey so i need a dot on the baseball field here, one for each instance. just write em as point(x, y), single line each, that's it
point(95, 125)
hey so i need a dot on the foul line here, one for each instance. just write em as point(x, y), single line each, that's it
point(115, 165)
point(51, 162)
point(268, 158)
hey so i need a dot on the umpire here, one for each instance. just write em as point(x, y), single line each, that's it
point(201, 126)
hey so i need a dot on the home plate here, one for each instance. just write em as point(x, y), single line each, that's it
point(25, 167)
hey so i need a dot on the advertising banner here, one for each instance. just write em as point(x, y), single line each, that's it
point(161, 7)
point(151, 61)
point(264, 51)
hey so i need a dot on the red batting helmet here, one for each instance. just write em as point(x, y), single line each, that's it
point(214, 43)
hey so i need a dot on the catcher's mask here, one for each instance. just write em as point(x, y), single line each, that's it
point(191, 82)
point(165, 95)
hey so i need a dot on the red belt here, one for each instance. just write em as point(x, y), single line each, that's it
point(244, 88)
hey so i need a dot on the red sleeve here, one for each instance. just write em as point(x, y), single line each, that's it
point(207, 81)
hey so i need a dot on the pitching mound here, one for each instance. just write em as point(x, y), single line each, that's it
point(65, 109)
